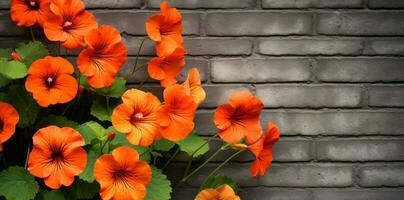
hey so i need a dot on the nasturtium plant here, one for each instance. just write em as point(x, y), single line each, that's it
point(100, 137)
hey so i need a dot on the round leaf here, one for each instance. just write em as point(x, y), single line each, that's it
point(17, 184)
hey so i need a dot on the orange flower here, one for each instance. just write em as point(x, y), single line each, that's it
point(224, 192)
point(263, 150)
point(137, 117)
point(165, 28)
point(239, 118)
point(29, 12)
point(8, 120)
point(50, 81)
point(103, 57)
point(176, 116)
point(69, 23)
point(167, 68)
point(122, 175)
point(57, 156)
point(193, 86)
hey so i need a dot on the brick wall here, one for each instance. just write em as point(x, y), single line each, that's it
point(330, 73)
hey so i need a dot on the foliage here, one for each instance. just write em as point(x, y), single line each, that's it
point(17, 184)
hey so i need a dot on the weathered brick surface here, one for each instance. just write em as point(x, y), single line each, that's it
point(113, 4)
point(330, 73)
point(379, 176)
point(356, 194)
point(312, 4)
point(207, 3)
point(133, 22)
point(244, 23)
point(360, 70)
point(386, 4)
point(260, 70)
point(386, 96)
point(337, 122)
point(360, 150)
point(361, 23)
point(310, 46)
point(320, 95)
point(394, 47)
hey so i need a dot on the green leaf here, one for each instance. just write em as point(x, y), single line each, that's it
point(92, 130)
point(59, 121)
point(115, 90)
point(4, 81)
point(120, 140)
point(100, 110)
point(17, 184)
point(88, 172)
point(83, 190)
point(163, 145)
point(25, 105)
point(53, 195)
point(31, 52)
point(192, 143)
point(217, 181)
point(160, 187)
point(5, 54)
point(13, 69)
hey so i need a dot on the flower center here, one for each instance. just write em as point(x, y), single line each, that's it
point(136, 117)
point(67, 24)
point(119, 175)
point(57, 156)
point(33, 4)
point(50, 81)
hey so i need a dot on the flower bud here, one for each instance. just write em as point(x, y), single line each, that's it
point(111, 135)
point(16, 56)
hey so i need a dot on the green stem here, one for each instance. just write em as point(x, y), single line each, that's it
point(137, 56)
point(32, 33)
point(223, 164)
point(107, 101)
point(192, 155)
point(171, 158)
point(142, 83)
point(141, 66)
point(203, 164)
point(26, 158)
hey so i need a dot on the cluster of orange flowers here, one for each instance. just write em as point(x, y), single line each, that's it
point(58, 154)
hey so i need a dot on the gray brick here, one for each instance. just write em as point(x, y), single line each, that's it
point(293, 175)
point(381, 176)
point(219, 94)
point(311, 4)
point(361, 23)
point(133, 44)
point(310, 46)
point(126, 71)
point(286, 150)
point(386, 96)
point(258, 23)
point(386, 4)
point(358, 194)
point(309, 175)
point(388, 46)
point(275, 194)
point(218, 46)
point(5, 4)
point(360, 70)
point(113, 4)
point(206, 3)
point(360, 150)
point(8, 28)
point(260, 70)
point(204, 123)
point(336, 122)
point(134, 22)
point(309, 95)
